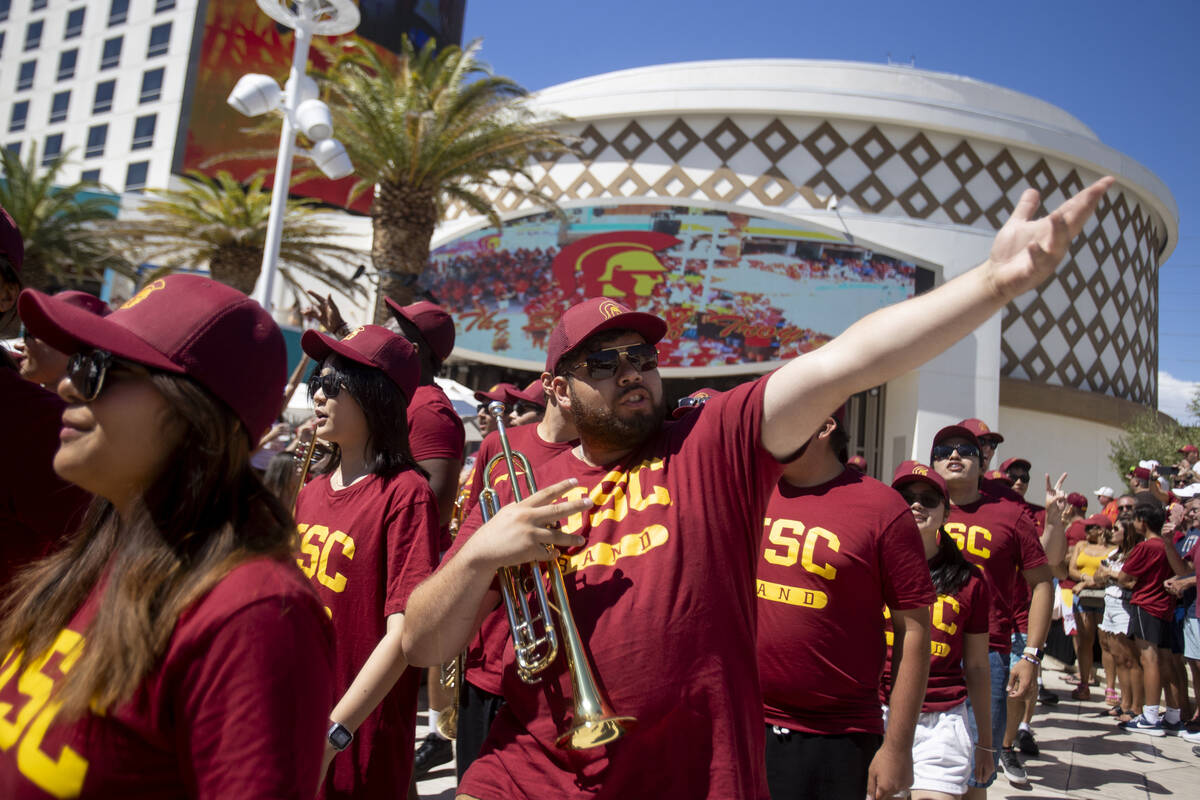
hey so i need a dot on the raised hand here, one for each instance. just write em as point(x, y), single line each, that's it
point(1026, 250)
point(1056, 498)
point(326, 313)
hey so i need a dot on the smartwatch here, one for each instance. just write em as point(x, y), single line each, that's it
point(1036, 652)
point(339, 736)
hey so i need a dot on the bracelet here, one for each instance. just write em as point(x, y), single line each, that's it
point(985, 749)
point(1031, 659)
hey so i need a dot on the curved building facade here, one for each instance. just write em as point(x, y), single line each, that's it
point(888, 177)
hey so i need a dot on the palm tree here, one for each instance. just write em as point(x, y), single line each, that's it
point(219, 224)
point(436, 128)
point(61, 225)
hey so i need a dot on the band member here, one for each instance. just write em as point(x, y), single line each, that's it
point(481, 697)
point(944, 746)
point(838, 547)
point(368, 535)
point(662, 526)
point(156, 654)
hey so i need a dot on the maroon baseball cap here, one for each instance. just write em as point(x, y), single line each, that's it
point(998, 475)
point(692, 402)
point(499, 393)
point(1142, 474)
point(12, 244)
point(372, 346)
point(1098, 520)
point(186, 325)
point(1187, 448)
point(596, 315)
point(1077, 500)
point(980, 429)
point(916, 472)
point(533, 393)
point(88, 302)
point(435, 325)
point(857, 462)
point(955, 432)
point(1012, 462)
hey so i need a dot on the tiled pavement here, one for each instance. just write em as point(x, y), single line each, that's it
point(1083, 755)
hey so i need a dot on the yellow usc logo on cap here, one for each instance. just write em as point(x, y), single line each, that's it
point(354, 333)
point(983, 427)
point(920, 470)
point(610, 309)
point(146, 291)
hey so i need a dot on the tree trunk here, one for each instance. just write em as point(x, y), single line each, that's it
point(402, 221)
point(237, 266)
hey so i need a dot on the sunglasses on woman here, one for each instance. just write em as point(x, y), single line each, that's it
point(927, 499)
point(330, 384)
point(605, 363)
point(941, 452)
point(86, 370)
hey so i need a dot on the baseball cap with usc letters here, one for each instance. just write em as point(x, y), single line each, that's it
point(596, 315)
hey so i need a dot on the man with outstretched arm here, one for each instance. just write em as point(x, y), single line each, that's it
point(661, 526)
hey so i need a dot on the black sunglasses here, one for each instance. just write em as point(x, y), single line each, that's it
point(605, 363)
point(330, 384)
point(1022, 477)
point(691, 402)
point(87, 370)
point(521, 409)
point(941, 452)
point(927, 499)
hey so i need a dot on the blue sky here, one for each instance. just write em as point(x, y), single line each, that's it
point(1122, 68)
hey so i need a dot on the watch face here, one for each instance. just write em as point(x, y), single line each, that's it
point(339, 737)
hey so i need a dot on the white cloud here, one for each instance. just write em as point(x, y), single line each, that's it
point(1174, 395)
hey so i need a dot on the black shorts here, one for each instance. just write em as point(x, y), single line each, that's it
point(1144, 625)
point(812, 765)
point(477, 709)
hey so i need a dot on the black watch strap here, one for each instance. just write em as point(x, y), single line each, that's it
point(339, 736)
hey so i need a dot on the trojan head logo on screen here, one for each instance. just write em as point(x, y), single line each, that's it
point(621, 265)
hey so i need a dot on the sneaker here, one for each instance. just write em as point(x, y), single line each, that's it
point(1026, 743)
point(1192, 737)
point(1047, 697)
point(1010, 765)
point(1140, 724)
point(433, 752)
point(1173, 728)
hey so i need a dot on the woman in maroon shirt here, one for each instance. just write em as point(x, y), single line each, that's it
point(155, 654)
point(947, 743)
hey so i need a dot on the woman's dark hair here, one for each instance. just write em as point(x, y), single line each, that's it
point(206, 513)
point(949, 570)
point(280, 476)
point(386, 412)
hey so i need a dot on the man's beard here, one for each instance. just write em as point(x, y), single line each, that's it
point(601, 427)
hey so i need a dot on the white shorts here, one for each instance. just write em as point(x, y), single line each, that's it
point(1191, 638)
point(1116, 616)
point(942, 747)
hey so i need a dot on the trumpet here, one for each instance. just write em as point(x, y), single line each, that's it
point(535, 633)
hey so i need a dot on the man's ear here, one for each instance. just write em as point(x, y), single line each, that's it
point(558, 388)
point(827, 428)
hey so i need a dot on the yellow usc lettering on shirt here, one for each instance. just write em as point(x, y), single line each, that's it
point(787, 534)
point(936, 649)
point(626, 494)
point(316, 545)
point(970, 540)
point(25, 727)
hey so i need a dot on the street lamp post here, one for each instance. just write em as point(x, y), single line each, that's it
point(257, 94)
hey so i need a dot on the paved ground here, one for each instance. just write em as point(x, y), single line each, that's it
point(1083, 756)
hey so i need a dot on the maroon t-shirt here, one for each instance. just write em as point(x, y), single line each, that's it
point(434, 428)
point(237, 707)
point(365, 548)
point(999, 537)
point(1022, 595)
point(663, 595)
point(953, 617)
point(484, 662)
point(831, 557)
point(1147, 562)
point(37, 508)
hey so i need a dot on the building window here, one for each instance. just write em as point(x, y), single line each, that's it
point(14, 148)
point(52, 149)
point(89, 176)
point(33, 34)
point(143, 132)
point(160, 40)
point(135, 176)
point(25, 75)
point(111, 56)
point(66, 64)
point(38, 5)
point(152, 81)
point(59, 106)
point(104, 97)
point(1, 42)
point(118, 12)
point(97, 135)
point(163, 5)
point(74, 23)
point(4, 7)
point(20, 113)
